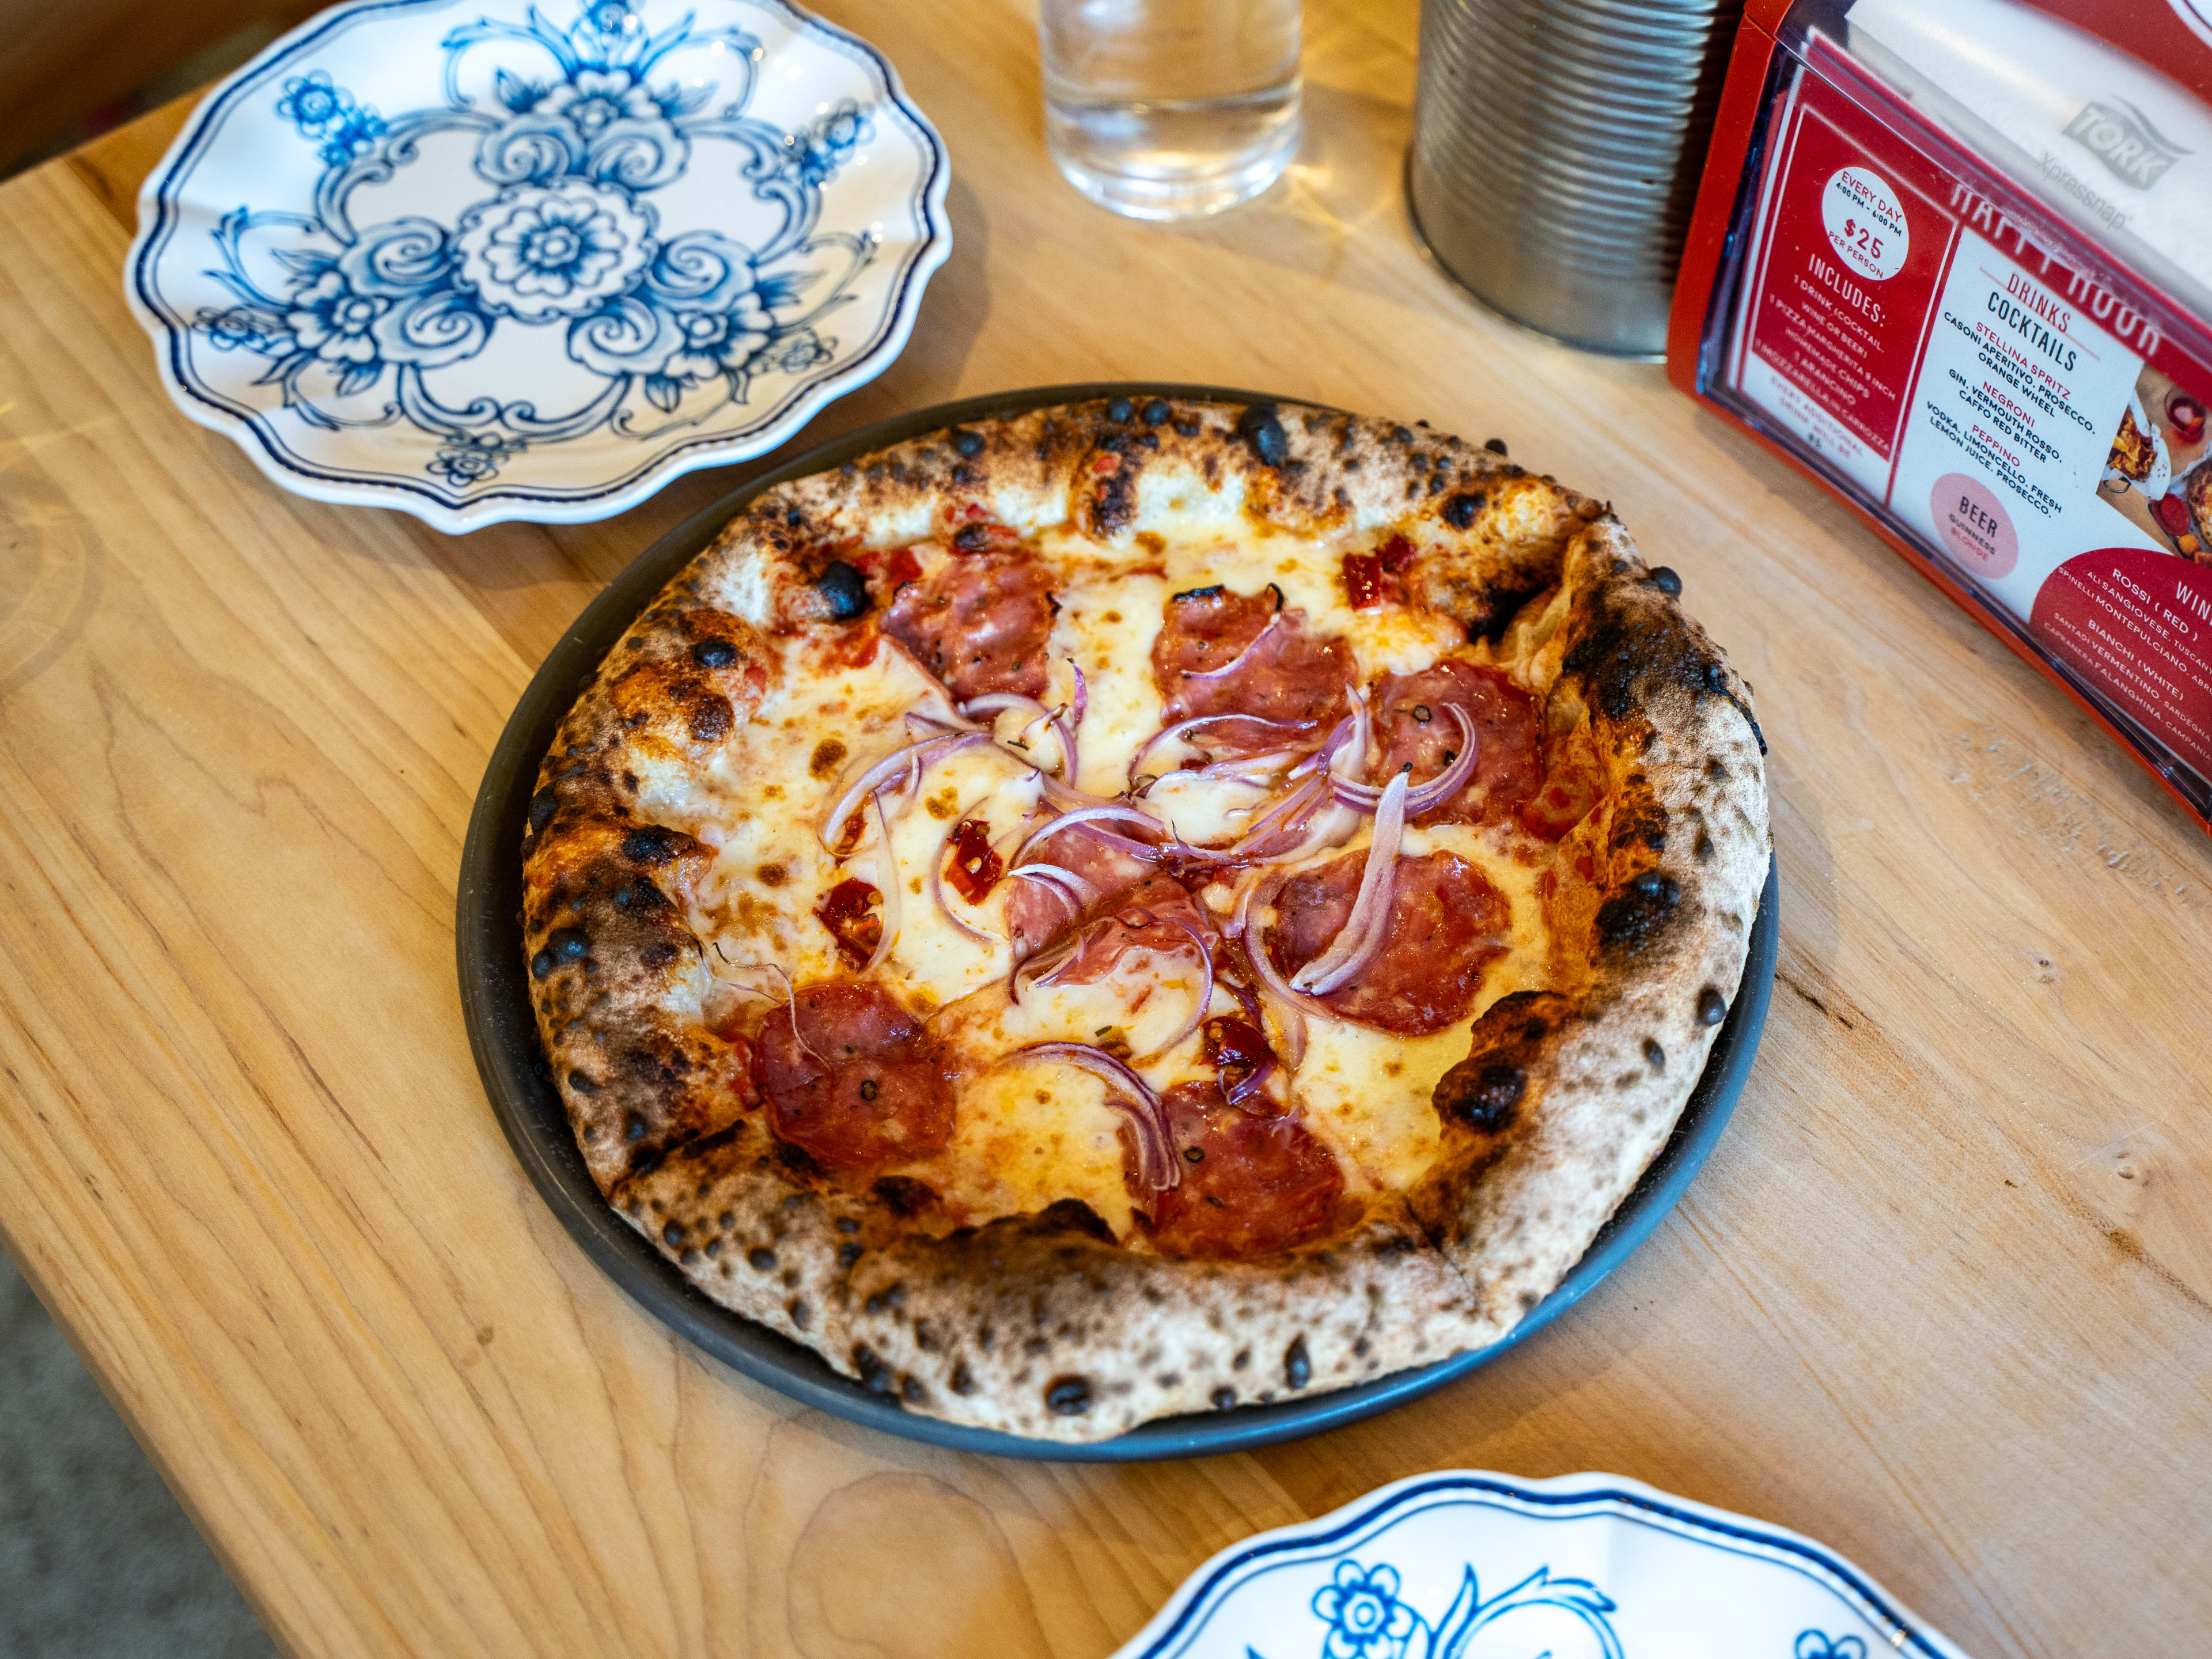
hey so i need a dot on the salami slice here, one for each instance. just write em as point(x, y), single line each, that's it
point(1251, 1184)
point(866, 1086)
point(1156, 915)
point(1447, 923)
point(981, 623)
point(1223, 652)
point(1411, 725)
point(1038, 913)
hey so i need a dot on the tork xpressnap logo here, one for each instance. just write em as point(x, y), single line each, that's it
point(2119, 135)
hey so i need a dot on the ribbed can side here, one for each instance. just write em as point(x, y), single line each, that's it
point(1555, 155)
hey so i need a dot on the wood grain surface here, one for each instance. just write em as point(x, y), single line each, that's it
point(1942, 1298)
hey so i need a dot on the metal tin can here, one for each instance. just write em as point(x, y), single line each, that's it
point(1555, 156)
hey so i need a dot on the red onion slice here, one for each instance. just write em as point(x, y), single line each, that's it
point(1242, 657)
point(1286, 817)
point(1082, 816)
point(1147, 1113)
point(905, 758)
point(1081, 702)
point(1205, 991)
point(1293, 1005)
point(1065, 882)
point(1366, 929)
point(991, 704)
point(1364, 798)
point(892, 912)
point(1177, 733)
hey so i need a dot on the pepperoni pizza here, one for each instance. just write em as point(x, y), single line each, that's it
point(1144, 906)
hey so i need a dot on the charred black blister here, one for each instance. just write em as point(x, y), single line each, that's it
point(1460, 511)
point(964, 1380)
point(969, 444)
point(542, 805)
point(1120, 410)
point(648, 844)
point(874, 1374)
point(1297, 1367)
point(845, 589)
point(760, 1258)
point(1068, 1396)
point(1487, 1100)
point(1156, 411)
point(1658, 886)
point(671, 1235)
point(568, 944)
point(1495, 445)
point(1223, 1398)
point(971, 538)
point(1260, 427)
point(714, 654)
point(1654, 1055)
point(1713, 1006)
point(1664, 578)
point(542, 964)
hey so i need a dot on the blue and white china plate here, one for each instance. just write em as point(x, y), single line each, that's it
point(1467, 1566)
point(491, 260)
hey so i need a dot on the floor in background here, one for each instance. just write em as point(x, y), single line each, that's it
point(96, 1560)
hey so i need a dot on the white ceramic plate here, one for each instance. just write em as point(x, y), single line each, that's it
point(1467, 1566)
point(488, 259)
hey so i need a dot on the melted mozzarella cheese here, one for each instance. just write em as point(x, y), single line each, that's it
point(1030, 1132)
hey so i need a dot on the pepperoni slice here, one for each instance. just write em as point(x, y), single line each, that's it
point(873, 1089)
point(981, 623)
point(1038, 914)
point(1155, 914)
point(1292, 676)
point(1411, 724)
point(1257, 1184)
point(1447, 923)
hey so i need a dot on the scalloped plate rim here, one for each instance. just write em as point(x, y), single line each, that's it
point(1601, 1493)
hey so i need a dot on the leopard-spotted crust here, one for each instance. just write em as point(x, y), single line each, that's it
point(1040, 1325)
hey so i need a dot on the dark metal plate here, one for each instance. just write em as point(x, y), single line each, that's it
point(503, 1032)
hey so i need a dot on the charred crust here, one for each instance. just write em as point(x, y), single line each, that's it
point(904, 1196)
point(1261, 427)
point(1077, 1217)
point(844, 591)
point(1639, 914)
point(1067, 1396)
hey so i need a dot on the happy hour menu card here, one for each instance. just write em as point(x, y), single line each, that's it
point(2034, 424)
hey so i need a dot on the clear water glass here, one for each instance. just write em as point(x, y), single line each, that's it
point(1166, 109)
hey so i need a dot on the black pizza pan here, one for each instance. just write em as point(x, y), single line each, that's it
point(503, 1033)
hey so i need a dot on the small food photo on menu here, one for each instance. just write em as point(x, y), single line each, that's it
point(2155, 476)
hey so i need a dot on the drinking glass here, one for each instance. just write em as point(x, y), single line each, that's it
point(1165, 109)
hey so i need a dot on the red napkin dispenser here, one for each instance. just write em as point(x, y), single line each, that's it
point(1955, 262)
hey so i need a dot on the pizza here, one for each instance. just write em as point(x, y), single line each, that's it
point(1144, 906)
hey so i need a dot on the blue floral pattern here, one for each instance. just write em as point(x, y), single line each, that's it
point(1367, 1621)
point(577, 135)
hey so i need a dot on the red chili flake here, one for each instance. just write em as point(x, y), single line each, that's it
point(975, 868)
point(1106, 463)
point(847, 911)
point(1364, 582)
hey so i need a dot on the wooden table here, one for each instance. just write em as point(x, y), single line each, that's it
point(1942, 1299)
